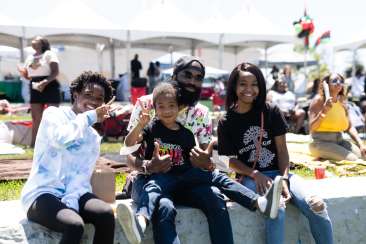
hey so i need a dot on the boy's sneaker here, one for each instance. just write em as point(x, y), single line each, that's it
point(132, 225)
point(270, 202)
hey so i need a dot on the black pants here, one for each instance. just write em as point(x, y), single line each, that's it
point(49, 211)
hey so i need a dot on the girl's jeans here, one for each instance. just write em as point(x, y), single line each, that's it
point(320, 223)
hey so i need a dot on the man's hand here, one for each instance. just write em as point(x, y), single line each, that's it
point(201, 158)
point(158, 164)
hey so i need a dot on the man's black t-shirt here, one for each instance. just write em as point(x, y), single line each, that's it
point(176, 143)
point(238, 135)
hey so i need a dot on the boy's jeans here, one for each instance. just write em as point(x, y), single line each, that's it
point(168, 183)
point(193, 188)
point(320, 223)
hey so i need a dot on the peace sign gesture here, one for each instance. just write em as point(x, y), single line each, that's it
point(103, 111)
point(144, 116)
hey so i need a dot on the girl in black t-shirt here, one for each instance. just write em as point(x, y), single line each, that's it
point(253, 135)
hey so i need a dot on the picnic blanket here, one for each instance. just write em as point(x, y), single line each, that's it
point(300, 157)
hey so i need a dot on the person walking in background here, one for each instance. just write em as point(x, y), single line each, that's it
point(41, 69)
point(274, 72)
point(328, 119)
point(136, 66)
point(253, 135)
point(57, 194)
point(157, 72)
point(151, 74)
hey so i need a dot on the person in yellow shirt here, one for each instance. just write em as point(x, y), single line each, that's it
point(329, 119)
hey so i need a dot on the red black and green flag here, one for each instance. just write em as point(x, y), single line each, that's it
point(324, 38)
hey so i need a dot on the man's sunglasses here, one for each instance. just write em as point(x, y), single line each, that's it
point(188, 75)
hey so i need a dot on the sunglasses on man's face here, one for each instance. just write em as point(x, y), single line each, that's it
point(188, 75)
point(336, 81)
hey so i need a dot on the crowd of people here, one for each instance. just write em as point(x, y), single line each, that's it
point(173, 166)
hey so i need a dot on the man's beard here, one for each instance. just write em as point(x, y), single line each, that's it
point(186, 97)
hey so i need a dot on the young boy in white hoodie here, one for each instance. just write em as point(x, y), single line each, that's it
point(57, 193)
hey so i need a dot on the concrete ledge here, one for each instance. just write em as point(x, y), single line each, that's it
point(346, 198)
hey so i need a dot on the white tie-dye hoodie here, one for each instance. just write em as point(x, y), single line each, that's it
point(65, 154)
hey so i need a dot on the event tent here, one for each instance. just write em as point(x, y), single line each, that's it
point(284, 54)
point(142, 23)
point(353, 46)
point(211, 72)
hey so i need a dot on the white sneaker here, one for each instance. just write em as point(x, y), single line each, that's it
point(130, 222)
point(271, 199)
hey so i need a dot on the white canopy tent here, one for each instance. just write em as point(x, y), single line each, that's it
point(285, 54)
point(352, 47)
point(142, 23)
point(211, 72)
point(167, 60)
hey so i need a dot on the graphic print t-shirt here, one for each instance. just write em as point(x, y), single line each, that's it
point(176, 143)
point(238, 135)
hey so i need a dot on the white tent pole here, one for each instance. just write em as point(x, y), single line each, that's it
point(193, 47)
point(221, 50)
point(305, 63)
point(100, 48)
point(266, 60)
point(113, 60)
point(171, 49)
point(23, 44)
point(236, 48)
point(354, 60)
point(128, 49)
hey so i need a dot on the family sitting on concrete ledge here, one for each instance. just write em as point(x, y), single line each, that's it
point(170, 148)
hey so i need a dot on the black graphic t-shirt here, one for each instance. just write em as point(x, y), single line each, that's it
point(176, 143)
point(238, 135)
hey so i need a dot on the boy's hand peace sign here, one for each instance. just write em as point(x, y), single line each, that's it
point(144, 116)
point(103, 111)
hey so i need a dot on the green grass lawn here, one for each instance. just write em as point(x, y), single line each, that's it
point(10, 190)
point(4, 117)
